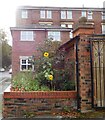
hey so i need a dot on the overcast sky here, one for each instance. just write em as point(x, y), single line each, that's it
point(8, 7)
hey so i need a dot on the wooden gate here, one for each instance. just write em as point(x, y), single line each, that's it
point(98, 67)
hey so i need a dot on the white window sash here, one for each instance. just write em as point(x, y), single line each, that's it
point(42, 14)
point(63, 25)
point(54, 36)
point(70, 26)
point(103, 29)
point(24, 14)
point(69, 14)
point(57, 36)
point(49, 14)
point(83, 13)
point(63, 14)
point(90, 15)
point(103, 15)
point(27, 64)
point(27, 36)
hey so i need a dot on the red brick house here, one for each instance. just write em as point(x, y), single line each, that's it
point(35, 24)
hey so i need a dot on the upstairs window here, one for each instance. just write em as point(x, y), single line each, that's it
point(83, 13)
point(24, 14)
point(66, 14)
point(103, 29)
point(90, 14)
point(49, 14)
point(63, 14)
point(46, 14)
point(42, 14)
point(103, 15)
point(69, 14)
point(26, 36)
point(54, 36)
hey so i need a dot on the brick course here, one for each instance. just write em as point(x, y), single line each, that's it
point(22, 104)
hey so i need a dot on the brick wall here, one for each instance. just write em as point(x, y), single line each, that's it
point(25, 104)
point(84, 67)
point(84, 74)
point(34, 17)
point(29, 48)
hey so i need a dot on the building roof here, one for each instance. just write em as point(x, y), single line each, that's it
point(60, 8)
point(69, 43)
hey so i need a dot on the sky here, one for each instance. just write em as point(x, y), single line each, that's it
point(8, 8)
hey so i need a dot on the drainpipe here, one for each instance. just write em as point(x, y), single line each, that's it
point(91, 69)
point(77, 75)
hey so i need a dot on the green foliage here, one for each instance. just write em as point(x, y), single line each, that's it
point(6, 50)
point(24, 81)
point(49, 46)
point(63, 81)
point(53, 65)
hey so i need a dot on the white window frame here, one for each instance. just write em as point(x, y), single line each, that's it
point(69, 14)
point(66, 14)
point(49, 14)
point(63, 14)
point(70, 26)
point(63, 25)
point(54, 35)
point(24, 14)
point(26, 36)
point(90, 15)
point(27, 64)
point(103, 28)
point(83, 13)
point(42, 14)
point(103, 15)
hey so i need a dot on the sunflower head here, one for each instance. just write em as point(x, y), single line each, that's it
point(46, 54)
point(50, 77)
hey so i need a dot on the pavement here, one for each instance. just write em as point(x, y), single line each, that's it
point(5, 80)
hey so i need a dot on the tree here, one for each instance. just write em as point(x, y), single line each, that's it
point(5, 50)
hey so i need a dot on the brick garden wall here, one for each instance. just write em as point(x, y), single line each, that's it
point(84, 73)
point(22, 104)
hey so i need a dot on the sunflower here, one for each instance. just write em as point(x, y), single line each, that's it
point(50, 77)
point(46, 54)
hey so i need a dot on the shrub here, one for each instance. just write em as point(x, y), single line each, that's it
point(25, 81)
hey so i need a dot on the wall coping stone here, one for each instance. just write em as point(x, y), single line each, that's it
point(39, 94)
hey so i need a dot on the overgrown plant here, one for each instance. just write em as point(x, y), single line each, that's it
point(24, 81)
point(50, 69)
